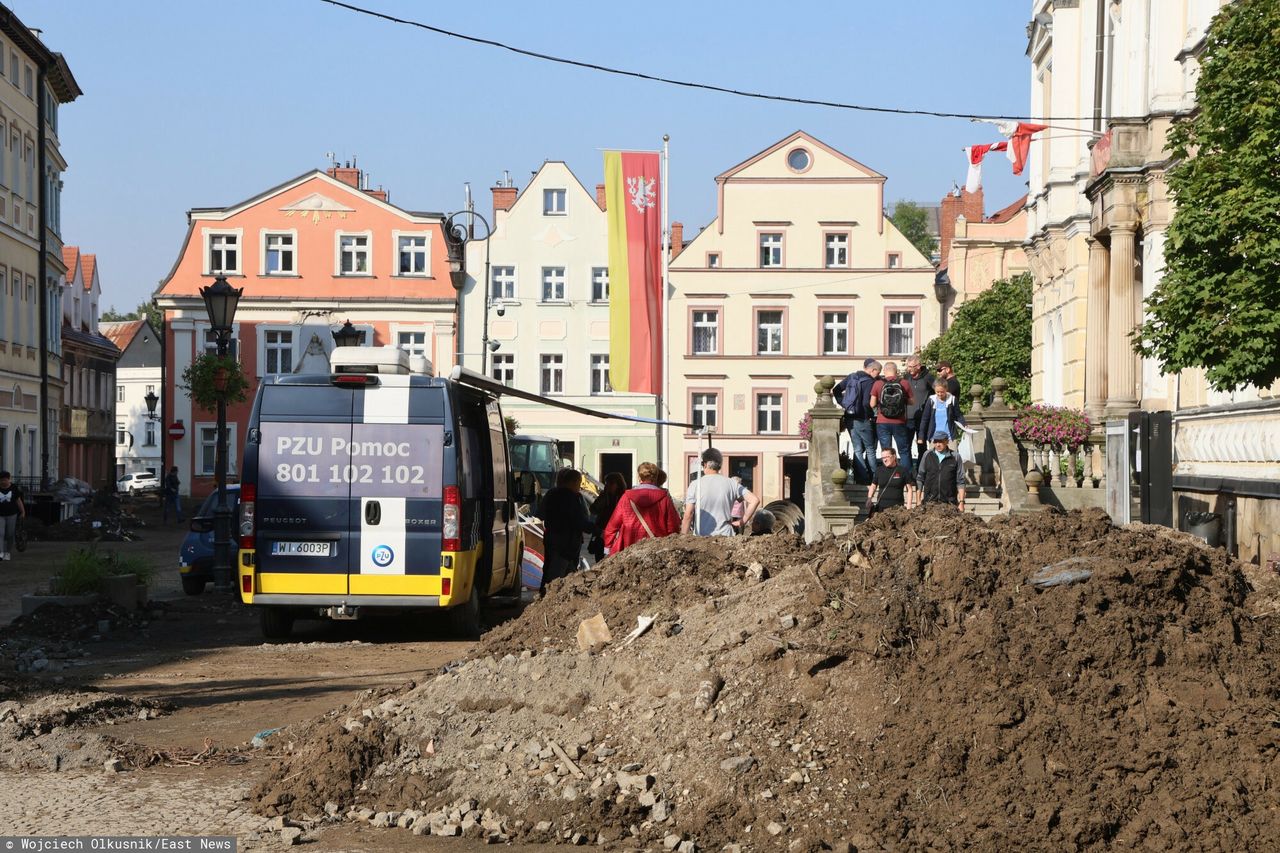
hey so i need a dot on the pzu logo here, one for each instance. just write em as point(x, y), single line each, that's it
point(383, 556)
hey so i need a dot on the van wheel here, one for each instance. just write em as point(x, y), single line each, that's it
point(277, 623)
point(192, 584)
point(463, 620)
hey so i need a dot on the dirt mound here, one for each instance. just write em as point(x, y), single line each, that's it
point(48, 730)
point(907, 686)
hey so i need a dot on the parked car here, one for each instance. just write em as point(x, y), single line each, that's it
point(140, 481)
point(195, 558)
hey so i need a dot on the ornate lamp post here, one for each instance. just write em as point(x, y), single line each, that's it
point(347, 336)
point(460, 229)
point(220, 301)
point(151, 400)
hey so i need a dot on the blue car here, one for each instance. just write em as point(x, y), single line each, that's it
point(195, 558)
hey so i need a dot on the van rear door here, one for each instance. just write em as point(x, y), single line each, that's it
point(397, 473)
point(303, 502)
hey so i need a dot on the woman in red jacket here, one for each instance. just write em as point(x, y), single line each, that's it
point(645, 512)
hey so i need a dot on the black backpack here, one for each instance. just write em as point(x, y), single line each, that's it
point(854, 401)
point(893, 400)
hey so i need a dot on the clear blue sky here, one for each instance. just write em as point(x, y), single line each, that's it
point(193, 104)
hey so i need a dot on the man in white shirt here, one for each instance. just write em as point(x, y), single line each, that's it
point(712, 497)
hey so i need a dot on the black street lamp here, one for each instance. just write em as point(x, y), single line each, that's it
point(459, 234)
point(220, 301)
point(151, 399)
point(347, 336)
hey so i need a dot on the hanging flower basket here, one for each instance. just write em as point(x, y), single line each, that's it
point(210, 378)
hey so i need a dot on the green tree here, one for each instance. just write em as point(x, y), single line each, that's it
point(1218, 305)
point(990, 336)
point(144, 311)
point(913, 221)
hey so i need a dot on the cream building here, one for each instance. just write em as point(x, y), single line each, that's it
point(1099, 210)
point(799, 275)
point(548, 313)
point(34, 81)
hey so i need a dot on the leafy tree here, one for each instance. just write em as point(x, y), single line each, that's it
point(144, 311)
point(1218, 304)
point(913, 221)
point(990, 336)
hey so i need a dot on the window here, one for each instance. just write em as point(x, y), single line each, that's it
point(211, 344)
point(552, 374)
point(835, 332)
point(713, 260)
point(208, 449)
point(28, 87)
point(768, 413)
point(279, 255)
point(893, 261)
point(837, 250)
point(706, 325)
point(119, 393)
point(600, 375)
point(353, 254)
point(504, 368)
point(769, 333)
point(151, 389)
point(553, 284)
point(770, 250)
point(704, 410)
point(13, 68)
point(503, 283)
point(798, 160)
point(149, 433)
point(902, 332)
point(411, 254)
point(224, 253)
point(278, 352)
point(414, 343)
point(122, 437)
point(553, 202)
point(599, 284)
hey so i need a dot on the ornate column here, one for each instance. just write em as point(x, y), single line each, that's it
point(1122, 362)
point(1095, 339)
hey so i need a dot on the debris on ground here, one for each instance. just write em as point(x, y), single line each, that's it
point(903, 687)
point(52, 730)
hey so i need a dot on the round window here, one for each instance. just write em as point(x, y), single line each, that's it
point(798, 160)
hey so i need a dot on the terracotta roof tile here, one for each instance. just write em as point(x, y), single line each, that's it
point(1007, 213)
point(121, 333)
point(90, 262)
point(69, 256)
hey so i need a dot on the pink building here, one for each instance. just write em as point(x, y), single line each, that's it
point(311, 254)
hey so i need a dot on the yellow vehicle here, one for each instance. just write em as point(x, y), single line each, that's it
point(375, 488)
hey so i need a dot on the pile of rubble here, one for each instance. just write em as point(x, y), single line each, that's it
point(930, 681)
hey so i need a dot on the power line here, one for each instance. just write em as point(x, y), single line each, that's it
point(687, 84)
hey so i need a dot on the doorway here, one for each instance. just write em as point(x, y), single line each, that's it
point(794, 469)
point(619, 462)
point(744, 467)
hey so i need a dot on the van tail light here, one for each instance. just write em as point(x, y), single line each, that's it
point(452, 518)
point(248, 496)
point(446, 588)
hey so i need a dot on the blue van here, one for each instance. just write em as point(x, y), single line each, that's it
point(195, 557)
point(374, 488)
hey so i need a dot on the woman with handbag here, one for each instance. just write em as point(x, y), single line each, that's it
point(645, 512)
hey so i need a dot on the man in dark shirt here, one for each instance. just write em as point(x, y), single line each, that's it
point(953, 384)
point(941, 476)
point(890, 483)
point(564, 521)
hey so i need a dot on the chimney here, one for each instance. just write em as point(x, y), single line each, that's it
point(380, 194)
point(677, 238)
point(348, 174)
point(966, 204)
point(601, 198)
point(503, 198)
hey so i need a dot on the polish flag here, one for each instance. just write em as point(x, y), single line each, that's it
point(975, 153)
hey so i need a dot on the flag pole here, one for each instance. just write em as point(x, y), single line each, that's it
point(666, 256)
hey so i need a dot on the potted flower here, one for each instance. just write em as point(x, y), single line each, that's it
point(210, 378)
point(1056, 428)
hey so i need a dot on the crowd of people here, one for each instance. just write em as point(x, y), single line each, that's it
point(911, 419)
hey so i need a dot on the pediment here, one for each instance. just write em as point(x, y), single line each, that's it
point(317, 203)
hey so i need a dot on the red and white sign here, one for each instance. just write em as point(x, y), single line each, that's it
point(177, 430)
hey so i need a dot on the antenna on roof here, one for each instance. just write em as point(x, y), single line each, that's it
point(332, 158)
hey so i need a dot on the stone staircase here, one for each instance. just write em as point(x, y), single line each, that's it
point(984, 503)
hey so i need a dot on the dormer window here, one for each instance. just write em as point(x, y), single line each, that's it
point(222, 252)
point(553, 202)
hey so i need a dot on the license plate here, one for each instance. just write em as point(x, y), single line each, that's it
point(301, 549)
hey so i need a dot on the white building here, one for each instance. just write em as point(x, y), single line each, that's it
point(548, 312)
point(138, 439)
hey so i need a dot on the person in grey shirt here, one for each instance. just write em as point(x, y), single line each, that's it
point(712, 496)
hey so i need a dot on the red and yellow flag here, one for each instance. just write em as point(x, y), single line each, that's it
point(633, 197)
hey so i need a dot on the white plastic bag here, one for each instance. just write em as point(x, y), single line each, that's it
point(964, 448)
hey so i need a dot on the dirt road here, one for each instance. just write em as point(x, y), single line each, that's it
point(204, 656)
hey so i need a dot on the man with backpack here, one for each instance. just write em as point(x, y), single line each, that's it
point(890, 397)
point(853, 394)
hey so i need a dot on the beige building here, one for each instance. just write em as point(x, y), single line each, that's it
point(799, 275)
point(547, 323)
point(1099, 210)
point(976, 250)
point(34, 81)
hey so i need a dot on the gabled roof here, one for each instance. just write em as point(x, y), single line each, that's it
point(217, 213)
point(1007, 213)
point(533, 180)
point(790, 140)
point(70, 255)
point(121, 333)
point(90, 263)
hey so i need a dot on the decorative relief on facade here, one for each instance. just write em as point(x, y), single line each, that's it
point(1240, 439)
